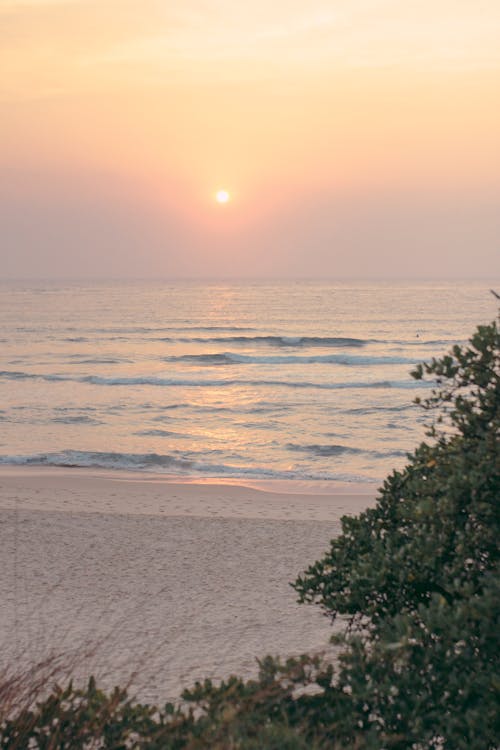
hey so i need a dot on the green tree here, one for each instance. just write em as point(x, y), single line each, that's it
point(418, 574)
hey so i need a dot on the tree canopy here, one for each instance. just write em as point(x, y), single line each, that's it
point(418, 575)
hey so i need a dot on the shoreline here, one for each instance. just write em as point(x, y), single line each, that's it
point(282, 486)
point(77, 489)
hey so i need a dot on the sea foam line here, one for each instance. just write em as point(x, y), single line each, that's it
point(167, 464)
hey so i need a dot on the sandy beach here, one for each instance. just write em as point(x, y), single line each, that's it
point(174, 580)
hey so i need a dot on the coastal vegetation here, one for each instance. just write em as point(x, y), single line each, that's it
point(416, 580)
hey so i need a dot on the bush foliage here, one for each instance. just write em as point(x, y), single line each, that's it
point(417, 579)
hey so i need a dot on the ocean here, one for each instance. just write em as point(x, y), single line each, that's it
point(302, 382)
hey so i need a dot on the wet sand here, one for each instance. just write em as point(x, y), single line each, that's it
point(174, 581)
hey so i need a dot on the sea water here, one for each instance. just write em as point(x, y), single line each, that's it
point(297, 381)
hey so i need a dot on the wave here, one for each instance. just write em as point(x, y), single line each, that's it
point(323, 450)
point(159, 433)
point(78, 419)
point(179, 382)
point(281, 341)
point(216, 383)
point(302, 341)
point(19, 375)
point(168, 464)
point(100, 459)
point(365, 410)
point(169, 407)
point(231, 358)
point(338, 450)
point(75, 359)
point(258, 407)
point(172, 382)
point(159, 329)
point(203, 359)
point(427, 342)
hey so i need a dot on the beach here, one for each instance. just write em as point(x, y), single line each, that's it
point(159, 583)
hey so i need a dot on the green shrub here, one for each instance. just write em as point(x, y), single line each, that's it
point(418, 575)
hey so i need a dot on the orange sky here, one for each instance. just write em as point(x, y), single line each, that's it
point(357, 137)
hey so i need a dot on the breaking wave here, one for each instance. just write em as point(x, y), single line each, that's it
point(167, 464)
point(282, 341)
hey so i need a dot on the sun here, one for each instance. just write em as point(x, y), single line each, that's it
point(222, 196)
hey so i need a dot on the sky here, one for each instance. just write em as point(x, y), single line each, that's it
point(356, 139)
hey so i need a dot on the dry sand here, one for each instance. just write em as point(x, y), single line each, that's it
point(177, 580)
